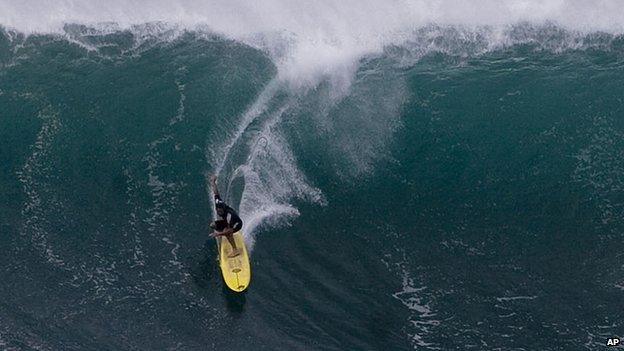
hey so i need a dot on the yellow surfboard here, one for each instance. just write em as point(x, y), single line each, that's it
point(236, 270)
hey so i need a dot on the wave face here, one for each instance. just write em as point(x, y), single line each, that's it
point(412, 175)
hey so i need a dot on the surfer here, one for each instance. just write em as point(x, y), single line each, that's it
point(228, 223)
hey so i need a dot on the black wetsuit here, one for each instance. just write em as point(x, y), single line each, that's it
point(231, 218)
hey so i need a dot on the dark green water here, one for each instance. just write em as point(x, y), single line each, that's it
point(457, 198)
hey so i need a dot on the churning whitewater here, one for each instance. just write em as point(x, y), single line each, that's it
point(431, 175)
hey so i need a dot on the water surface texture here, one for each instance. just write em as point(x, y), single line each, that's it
point(412, 174)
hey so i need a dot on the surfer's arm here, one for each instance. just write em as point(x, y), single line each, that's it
point(213, 185)
point(227, 231)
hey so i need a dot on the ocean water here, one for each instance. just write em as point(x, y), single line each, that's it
point(412, 175)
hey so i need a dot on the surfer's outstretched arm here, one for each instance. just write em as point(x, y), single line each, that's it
point(213, 185)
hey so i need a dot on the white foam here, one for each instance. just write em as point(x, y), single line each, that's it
point(220, 154)
point(514, 298)
point(418, 302)
point(360, 20)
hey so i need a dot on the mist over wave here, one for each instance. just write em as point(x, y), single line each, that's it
point(364, 19)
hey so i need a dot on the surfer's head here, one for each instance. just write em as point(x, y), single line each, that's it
point(220, 209)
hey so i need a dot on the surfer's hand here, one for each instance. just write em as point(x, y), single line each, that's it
point(215, 234)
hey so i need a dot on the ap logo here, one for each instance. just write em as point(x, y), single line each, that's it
point(613, 342)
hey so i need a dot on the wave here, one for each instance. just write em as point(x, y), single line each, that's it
point(339, 68)
point(351, 105)
point(311, 41)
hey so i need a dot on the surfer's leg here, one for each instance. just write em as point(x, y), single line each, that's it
point(235, 251)
point(231, 240)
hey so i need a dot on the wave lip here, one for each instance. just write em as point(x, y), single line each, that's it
point(308, 40)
